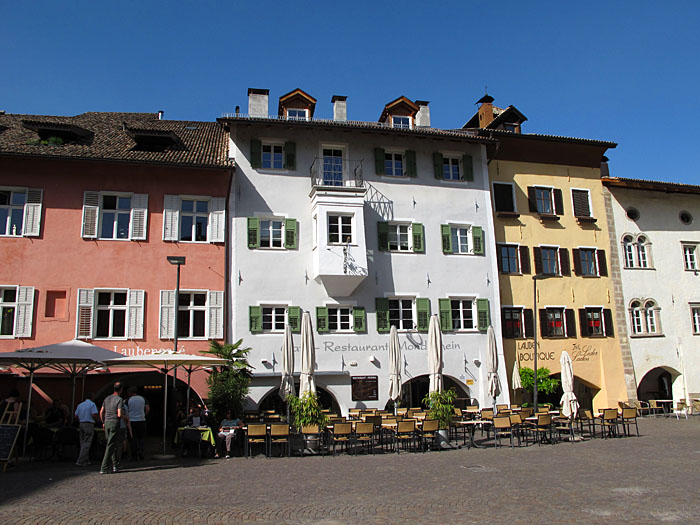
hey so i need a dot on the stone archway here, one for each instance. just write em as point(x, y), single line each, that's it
point(415, 389)
point(272, 400)
point(657, 383)
point(584, 391)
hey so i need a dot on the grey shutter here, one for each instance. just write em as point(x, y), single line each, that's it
point(537, 254)
point(255, 153)
point(167, 314)
point(379, 158)
point(499, 256)
point(437, 165)
point(544, 325)
point(564, 266)
point(32, 213)
point(467, 168)
point(25, 311)
point(608, 319)
point(411, 167)
point(532, 198)
point(529, 322)
point(290, 155)
point(217, 220)
point(91, 214)
point(583, 322)
point(383, 236)
point(86, 305)
point(171, 217)
point(139, 217)
point(576, 253)
point(570, 322)
point(136, 307)
point(215, 310)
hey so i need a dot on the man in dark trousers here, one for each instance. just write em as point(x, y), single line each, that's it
point(112, 411)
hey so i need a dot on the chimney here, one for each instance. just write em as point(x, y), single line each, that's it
point(423, 115)
point(160, 114)
point(604, 169)
point(257, 102)
point(340, 108)
point(485, 110)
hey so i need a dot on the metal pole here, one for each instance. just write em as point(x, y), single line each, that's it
point(189, 374)
point(177, 309)
point(29, 406)
point(534, 302)
point(165, 404)
point(72, 399)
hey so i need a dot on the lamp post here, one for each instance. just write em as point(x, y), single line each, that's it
point(177, 261)
point(535, 278)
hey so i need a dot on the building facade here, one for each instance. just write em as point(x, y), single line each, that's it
point(658, 241)
point(364, 225)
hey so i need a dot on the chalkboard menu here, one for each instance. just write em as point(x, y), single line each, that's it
point(8, 436)
point(365, 388)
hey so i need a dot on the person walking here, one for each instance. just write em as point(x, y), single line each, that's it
point(138, 410)
point(86, 413)
point(110, 413)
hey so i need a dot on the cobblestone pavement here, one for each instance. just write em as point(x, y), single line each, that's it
point(650, 479)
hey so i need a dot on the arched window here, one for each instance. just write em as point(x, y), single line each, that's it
point(651, 313)
point(628, 250)
point(642, 255)
point(645, 317)
point(636, 315)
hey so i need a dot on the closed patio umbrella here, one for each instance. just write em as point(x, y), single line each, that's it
point(435, 354)
point(569, 403)
point(308, 355)
point(516, 382)
point(287, 384)
point(394, 365)
point(492, 382)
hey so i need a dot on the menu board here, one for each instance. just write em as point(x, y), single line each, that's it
point(8, 436)
point(365, 388)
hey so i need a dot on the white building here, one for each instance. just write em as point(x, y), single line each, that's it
point(657, 227)
point(364, 225)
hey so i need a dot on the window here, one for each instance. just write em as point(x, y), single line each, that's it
point(194, 219)
point(337, 318)
point(637, 317)
point(405, 313)
point(557, 321)
point(581, 203)
point(191, 315)
point(503, 197)
point(550, 262)
point(690, 256)
point(645, 317)
point(651, 317)
point(272, 156)
point(332, 167)
point(513, 322)
point(642, 259)
point(297, 114)
point(401, 237)
point(401, 314)
point(636, 251)
point(400, 122)
point(271, 233)
point(596, 322)
point(116, 216)
point(393, 164)
point(457, 313)
point(587, 258)
point(685, 217)
point(462, 239)
point(545, 201)
point(273, 318)
point(339, 229)
point(508, 258)
point(20, 212)
point(8, 309)
point(628, 251)
point(450, 168)
point(462, 314)
point(695, 318)
point(199, 314)
point(110, 314)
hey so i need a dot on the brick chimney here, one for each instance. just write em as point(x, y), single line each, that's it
point(485, 110)
point(423, 115)
point(340, 108)
point(257, 102)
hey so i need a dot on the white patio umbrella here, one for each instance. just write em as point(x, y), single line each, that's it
point(569, 403)
point(394, 365)
point(435, 354)
point(516, 382)
point(492, 382)
point(287, 384)
point(167, 362)
point(308, 355)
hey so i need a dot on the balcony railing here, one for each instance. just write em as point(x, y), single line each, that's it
point(336, 172)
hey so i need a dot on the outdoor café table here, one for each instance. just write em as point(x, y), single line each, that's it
point(469, 427)
point(667, 405)
point(205, 432)
point(533, 419)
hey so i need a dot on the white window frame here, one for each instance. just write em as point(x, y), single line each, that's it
point(518, 263)
point(452, 159)
point(301, 114)
point(603, 328)
point(111, 308)
point(392, 162)
point(31, 216)
point(512, 196)
point(564, 327)
point(552, 204)
point(629, 250)
point(273, 307)
point(271, 144)
point(457, 228)
point(642, 253)
point(590, 204)
point(557, 259)
point(690, 256)
point(338, 318)
point(474, 319)
point(401, 309)
point(392, 230)
point(216, 222)
point(23, 314)
point(282, 222)
point(213, 321)
point(340, 216)
point(343, 148)
point(192, 309)
point(93, 215)
point(12, 207)
point(596, 270)
point(645, 320)
point(396, 125)
point(521, 311)
point(695, 318)
point(117, 211)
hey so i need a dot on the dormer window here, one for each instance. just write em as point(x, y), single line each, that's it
point(399, 113)
point(297, 114)
point(297, 105)
point(56, 134)
point(403, 122)
point(152, 139)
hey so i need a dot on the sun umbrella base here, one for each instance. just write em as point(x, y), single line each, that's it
point(164, 456)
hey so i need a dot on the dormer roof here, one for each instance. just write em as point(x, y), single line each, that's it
point(297, 99)
point(400, 106)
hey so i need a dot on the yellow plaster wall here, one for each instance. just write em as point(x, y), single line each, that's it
point(596, 360)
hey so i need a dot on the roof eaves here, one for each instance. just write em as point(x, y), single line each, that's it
point(650, 185)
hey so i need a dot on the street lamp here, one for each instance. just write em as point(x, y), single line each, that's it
point(177, 261)
point(535, 278)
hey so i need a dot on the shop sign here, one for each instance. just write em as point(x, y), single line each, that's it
point(583, 353)
point(406, 346)
point(147, 351)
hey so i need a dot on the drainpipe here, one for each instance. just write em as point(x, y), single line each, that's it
point(227, 257)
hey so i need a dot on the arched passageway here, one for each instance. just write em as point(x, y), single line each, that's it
point(273, 401)
point(657, 383)
point(584, 391)
point(414, 390)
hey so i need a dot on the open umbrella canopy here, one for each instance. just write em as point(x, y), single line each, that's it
point(435, 354)
point(69, 356)
point(569, 403)
point(166, 360)
point(493, 383)
point(287, 384)
point(394, 365)
point(308, 355)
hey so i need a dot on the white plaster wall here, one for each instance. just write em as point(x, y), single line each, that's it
point(268, 276)
point(668, 283)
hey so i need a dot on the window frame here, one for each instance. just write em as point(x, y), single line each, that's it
point(10, 304)
point(192, 309)
point(332, 181)
point(270, 230)
point(270, 306)
point(554, 310)
point(557, 262)
point(499, 253)
point(117, 211)
point(550, 190)
point(393, 225)
point(10, 207)
point(408, 118)
point(111, 308)
point(298, 116)
point(457, 228)
point(461, 310)
point(695, 318)
point(512, 197)
point(590, 310)
point(392, 163)
point(593, 252)
point(513, 309)
point(401, 309)
point(340, 216)
point(645, 318)
point(338, 320)
point(690, 256)
point(452, 160)
point(272, 144)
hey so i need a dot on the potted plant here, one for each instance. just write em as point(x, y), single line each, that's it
point(306, 411)
point(441, 406)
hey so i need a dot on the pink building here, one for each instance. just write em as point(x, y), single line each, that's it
point(90, 207)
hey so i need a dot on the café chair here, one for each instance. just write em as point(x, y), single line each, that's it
point(256, 435)
point(585, 418)
point(501, 427)
point(563, 425)
point(279, 435)
point(655, 407)
point(681, 409)
point(642, 407)
point(516, 424)
point(191, 439)
point(342, 434)
point(311, 434)
point(364, 435)
point(609, 423)
point(629, 418)
point(429, 431)
point(405, 434)
point(542, 428)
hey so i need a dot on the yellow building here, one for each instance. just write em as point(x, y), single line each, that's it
point(551, 221)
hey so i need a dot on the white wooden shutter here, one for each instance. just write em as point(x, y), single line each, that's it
point(167, 314)
point(25, 311)
point(32, 213)
point(216, 314)
point(171, 217)
point(217, 219)
point(136, 300)
point(86, 305)
point(91, 214)
point(139, 217)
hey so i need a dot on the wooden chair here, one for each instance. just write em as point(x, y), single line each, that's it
point(472, 411)
point(655, 407)
point(311, 434)
point(429, 431)
point(364, 435)
point(279, 435)
point(542, 428)
point(516, 424)
point(642, 407)
point(609, 423)
point(354, 413)
point(401, 411)
point(563, 425)
point(629, 417)
point(586, 419)
point(501, 407)
point(342, 433)
point(502, 426)
point(256, 435)
point(405, 433)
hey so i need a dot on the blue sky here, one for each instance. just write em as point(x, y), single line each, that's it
point(620, 71)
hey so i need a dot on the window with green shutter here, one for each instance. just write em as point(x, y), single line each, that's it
point(382, 308)
point(321, 319)
point(483, 315)
point(294, 318)
point(423, 313)
point(418, 238)
point(290, 234)
point(467, 168)
point(383, 236)
point(253, 232)
point(255, 319)
point(359, 319)
point(255, 153)
point(411, 166)
point(379, 158)
point(437, 165)
point(445, 307)
point(478, 240)
point(290, 155)
point(446, 234)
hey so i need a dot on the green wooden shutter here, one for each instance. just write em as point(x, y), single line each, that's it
point(418, 238)
point(478, 240)
point(411, 167)
point(482, 312)
point(255, 153)
point(445, 307)
point(290, 234)
point(321, 319)
point(290, 155)
point(255, 318)
point(294, 318)
point(382, 307)
point(423, 311)
point(383, 236)
point(437, 165)
point(379, 158)
point(446, 238)
point(253, 232)
point(467, 168)
point(359, 315)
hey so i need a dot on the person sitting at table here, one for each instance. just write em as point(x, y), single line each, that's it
point(227, 433)
point(196, 419)
point(55, 417)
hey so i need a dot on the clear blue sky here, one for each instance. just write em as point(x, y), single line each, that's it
point(621, 71)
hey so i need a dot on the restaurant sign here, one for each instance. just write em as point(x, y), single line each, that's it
point(147, 351)
point(365, 388)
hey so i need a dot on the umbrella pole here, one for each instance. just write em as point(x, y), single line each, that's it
point(165, 406)
point(29, 406)
point(72, 400)
point(189, 374)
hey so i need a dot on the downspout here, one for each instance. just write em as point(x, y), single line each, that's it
point(227, 257)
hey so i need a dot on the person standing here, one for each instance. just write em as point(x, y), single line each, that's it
point(138, 410)
point(110, 413)
point(86, 412)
